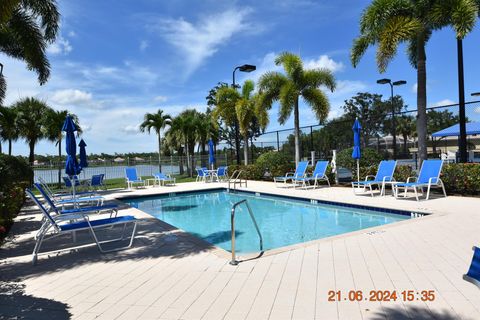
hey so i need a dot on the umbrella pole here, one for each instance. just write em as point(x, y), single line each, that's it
point(358, 170)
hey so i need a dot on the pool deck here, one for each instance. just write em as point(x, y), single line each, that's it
point(169, 274)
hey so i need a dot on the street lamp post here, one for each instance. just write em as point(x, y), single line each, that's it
point(242, 68)
point(394, 122)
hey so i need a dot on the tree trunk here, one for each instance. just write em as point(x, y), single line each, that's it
point(189, 171)
point(159, 151)
point(192, 159)
point(237, 142)
point(405, 137)
point(9, 147)
point(180, 160)
point(1, 147)
point(421, 99)
point(31, 157)
point(203, 153)
point(245, 149)
point(59, 164)
point(296, 121)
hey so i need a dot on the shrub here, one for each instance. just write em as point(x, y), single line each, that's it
point(251, 172)
point(276, 163)
point(368, 162)
point(463, 178)
point(15, 175)
point(403, 172)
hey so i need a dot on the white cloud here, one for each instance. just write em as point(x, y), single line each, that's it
point(160, 99)
point(415, 88)
point(131, 129)
point(476, 110)
point(71, 96)
point(61, 46)
point(72, 34)
point(143, 45)
point(199, 41)
point(349, 87)
point(324, 62)
point(85, 127)
point(443, 102)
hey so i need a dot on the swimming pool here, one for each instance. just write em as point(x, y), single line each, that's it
point(282, 221)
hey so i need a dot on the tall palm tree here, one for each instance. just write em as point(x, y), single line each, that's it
point(53, 123)
point(173, 140)
point(158, 122)
point(8, 126)
point(406, 127)
point(387, 23)
point(30, 122)
point(26, 29)
point(206, 129)
point(244, 107)
point(287, 89)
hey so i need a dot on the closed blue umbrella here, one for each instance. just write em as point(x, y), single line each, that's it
point(211, 153)
point(83, 154)
point(356, 154)
point(71, 166)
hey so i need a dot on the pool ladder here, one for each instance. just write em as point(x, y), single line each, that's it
point(234, 261)
point(235, 179)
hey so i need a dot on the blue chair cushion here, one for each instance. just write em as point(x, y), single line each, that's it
point(474, 271)
point(90, 209)
point(96, 223)
point(84, 199)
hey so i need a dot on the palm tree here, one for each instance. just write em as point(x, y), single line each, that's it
point(8, 126)
point(387, 23)
point(406, 127)
point(206, 129)
point(287, 89)
point(26, 29)
point(185, 127)
point(173, 141)
point(53, 123)
point(243, 106)
point(156, 121)
point(30, 122)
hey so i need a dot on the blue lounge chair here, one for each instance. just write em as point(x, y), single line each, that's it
point(68, 199)
point(77, 221)
point(319, 174)
point(111, 208)
point(132, 178)
point(473, 274)
point(429, 176)
point(162, 178)
point(385, 172)
point(290, 176)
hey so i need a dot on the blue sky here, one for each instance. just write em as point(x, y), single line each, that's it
point(116, 60)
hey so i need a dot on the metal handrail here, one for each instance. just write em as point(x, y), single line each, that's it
point(236, 179)
point(234, 261)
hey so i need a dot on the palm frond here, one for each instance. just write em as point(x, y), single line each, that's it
point(292, 64)
point(360, 46)
point(47, 12)
point(398, 29)
point(318, 101)
point(287, 98)
point(6, 9)
point(319, 77)
point(247, 89)
point(30, 44)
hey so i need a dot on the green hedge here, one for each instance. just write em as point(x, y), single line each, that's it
point(15, 175)
point(276, 163)
point(462, 178)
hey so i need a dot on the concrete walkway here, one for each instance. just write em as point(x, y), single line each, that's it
point(169, 274)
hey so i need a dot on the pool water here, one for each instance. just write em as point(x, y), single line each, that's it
point(282, 221)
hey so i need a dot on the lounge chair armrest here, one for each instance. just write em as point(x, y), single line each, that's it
point(387, 179)
point(411, 178)
point(369, 176)
point(288, 174)
point(433, 180)
point(71, 216)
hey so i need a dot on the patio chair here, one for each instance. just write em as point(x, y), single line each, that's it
point(202, 174)
point(132, 178)
point(385, 172)
point(428, 177)
point(96, 182)
point(162, 178)
point(473, 274)
point(222, 173)
point(289, 176)
point(78, 221)
point(319, 174)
